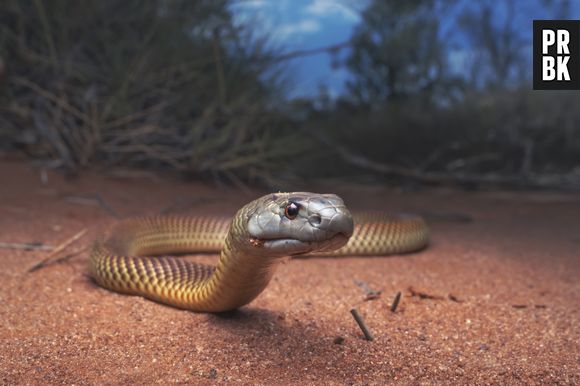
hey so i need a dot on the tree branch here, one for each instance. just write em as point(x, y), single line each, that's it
point(313, 51)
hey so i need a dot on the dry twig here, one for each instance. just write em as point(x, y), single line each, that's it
point(370, 294)
point(424, 295)
point(396, 302)
point(26, 246)
point(57, 250)
point(454, 298)
point(361, 323)
point(67, 257)
point(313, 51)
point(92, 199)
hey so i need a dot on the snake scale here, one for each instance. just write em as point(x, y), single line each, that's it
point(251, 244)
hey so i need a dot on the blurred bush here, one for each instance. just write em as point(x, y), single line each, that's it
point(438, 90)
point(434, 106)
point(140, 83)
point(508, 132)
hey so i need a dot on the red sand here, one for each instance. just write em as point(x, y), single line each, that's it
point(494, 300)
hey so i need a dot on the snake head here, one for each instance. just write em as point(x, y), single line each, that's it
point(283, 224)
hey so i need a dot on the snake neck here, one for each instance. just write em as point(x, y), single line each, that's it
point(244, 265)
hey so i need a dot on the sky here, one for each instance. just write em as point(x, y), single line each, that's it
point(301, 25)
point(308, 24)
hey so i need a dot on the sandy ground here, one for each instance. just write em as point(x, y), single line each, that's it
point(494, 300)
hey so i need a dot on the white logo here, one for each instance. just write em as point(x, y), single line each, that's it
point(555, 67)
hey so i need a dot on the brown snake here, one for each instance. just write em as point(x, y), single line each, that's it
point(251, 244)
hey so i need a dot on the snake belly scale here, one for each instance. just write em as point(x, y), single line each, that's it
point(250, 244)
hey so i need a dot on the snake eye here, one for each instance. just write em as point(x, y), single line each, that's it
point(291, 210)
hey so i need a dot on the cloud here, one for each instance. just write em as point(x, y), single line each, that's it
point(331, 8)
point(305, 26)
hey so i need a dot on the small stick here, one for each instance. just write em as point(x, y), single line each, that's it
point(370, 294)
point(396, 302)
point(92, 199)
point(64, 258)
point(361, 324)
point(424, 295)
point(57, 250)
point(454, 298)
point(26, 246)
point(60, 259)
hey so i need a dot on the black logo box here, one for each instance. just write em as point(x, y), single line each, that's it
point(573, 28)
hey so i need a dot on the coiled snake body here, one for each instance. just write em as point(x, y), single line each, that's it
point(251, 244)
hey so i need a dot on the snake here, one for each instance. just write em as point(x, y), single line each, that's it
point(137, 256)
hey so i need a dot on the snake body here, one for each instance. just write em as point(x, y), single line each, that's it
point(251, 244)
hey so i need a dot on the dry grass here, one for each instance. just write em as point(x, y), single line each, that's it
point(141, 83)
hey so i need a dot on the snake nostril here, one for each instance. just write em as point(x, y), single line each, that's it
point(314, 220)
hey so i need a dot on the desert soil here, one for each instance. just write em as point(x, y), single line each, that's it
point(495, 299)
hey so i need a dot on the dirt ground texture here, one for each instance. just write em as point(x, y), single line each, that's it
point(495, 299)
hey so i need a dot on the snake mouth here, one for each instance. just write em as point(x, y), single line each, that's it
point(298, 247)
point(288, 246)
point(337, 241)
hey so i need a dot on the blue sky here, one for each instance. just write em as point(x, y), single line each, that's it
point(306, 24)
point(299, 25)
